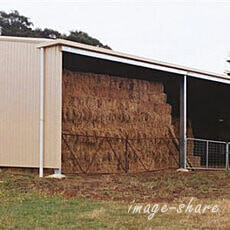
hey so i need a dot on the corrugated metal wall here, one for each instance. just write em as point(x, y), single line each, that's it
point(19, 105)
point(53, 107)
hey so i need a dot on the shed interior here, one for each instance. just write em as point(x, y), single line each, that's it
point(207, 102)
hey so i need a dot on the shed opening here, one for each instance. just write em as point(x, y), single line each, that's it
point(118, 117)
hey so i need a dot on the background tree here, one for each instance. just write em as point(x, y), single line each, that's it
point(14, 24)
point(84, 38)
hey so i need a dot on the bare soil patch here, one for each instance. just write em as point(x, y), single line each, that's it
point(142, 187)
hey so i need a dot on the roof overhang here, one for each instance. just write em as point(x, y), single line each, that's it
point(101, 53)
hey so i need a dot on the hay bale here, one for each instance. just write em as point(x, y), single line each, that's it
point(103, 105)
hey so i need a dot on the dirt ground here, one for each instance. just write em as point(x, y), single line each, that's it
point(161, 186)
point(102, 201)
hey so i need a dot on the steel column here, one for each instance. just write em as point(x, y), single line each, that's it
point(183, 121)
point(227, 156)
point(41, 130)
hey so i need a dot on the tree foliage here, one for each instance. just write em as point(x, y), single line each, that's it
point(14, 24)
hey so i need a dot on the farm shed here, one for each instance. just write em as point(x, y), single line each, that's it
point(87, 109)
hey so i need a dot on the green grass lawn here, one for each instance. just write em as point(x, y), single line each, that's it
point(27, 202)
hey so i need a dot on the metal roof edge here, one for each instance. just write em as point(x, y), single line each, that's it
point(128, 56)
point(24, 39)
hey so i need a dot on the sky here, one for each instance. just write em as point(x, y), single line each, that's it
point(190, 33)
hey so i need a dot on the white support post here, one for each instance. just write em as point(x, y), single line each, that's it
point(41, 140)
point(183, 121)
point(227, 156)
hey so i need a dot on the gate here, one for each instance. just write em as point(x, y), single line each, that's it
point(207, 154)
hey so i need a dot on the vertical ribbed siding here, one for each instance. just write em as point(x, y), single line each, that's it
point(53, 106)
point(19, 105)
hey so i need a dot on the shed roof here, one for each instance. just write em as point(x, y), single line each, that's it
point(25, 39)
point(44, 42)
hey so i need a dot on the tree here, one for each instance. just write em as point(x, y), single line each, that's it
point(14, 24)
point(83, 37)
point(46, 33)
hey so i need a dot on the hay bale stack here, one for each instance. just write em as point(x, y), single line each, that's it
point(103, 105)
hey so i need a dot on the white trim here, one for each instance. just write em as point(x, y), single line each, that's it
point(41, 131)
point(207, 77)
point(120, 59)
point(143, 64)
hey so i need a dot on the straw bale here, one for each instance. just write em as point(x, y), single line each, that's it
point(102, 105)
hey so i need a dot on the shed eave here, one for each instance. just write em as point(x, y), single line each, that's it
point(97, 52)
point(25, 39)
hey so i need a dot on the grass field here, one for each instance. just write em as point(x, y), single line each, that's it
point(102, 201)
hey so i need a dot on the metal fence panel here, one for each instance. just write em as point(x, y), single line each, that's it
point(209, 154)
point(87, 154)
point(106, 154)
